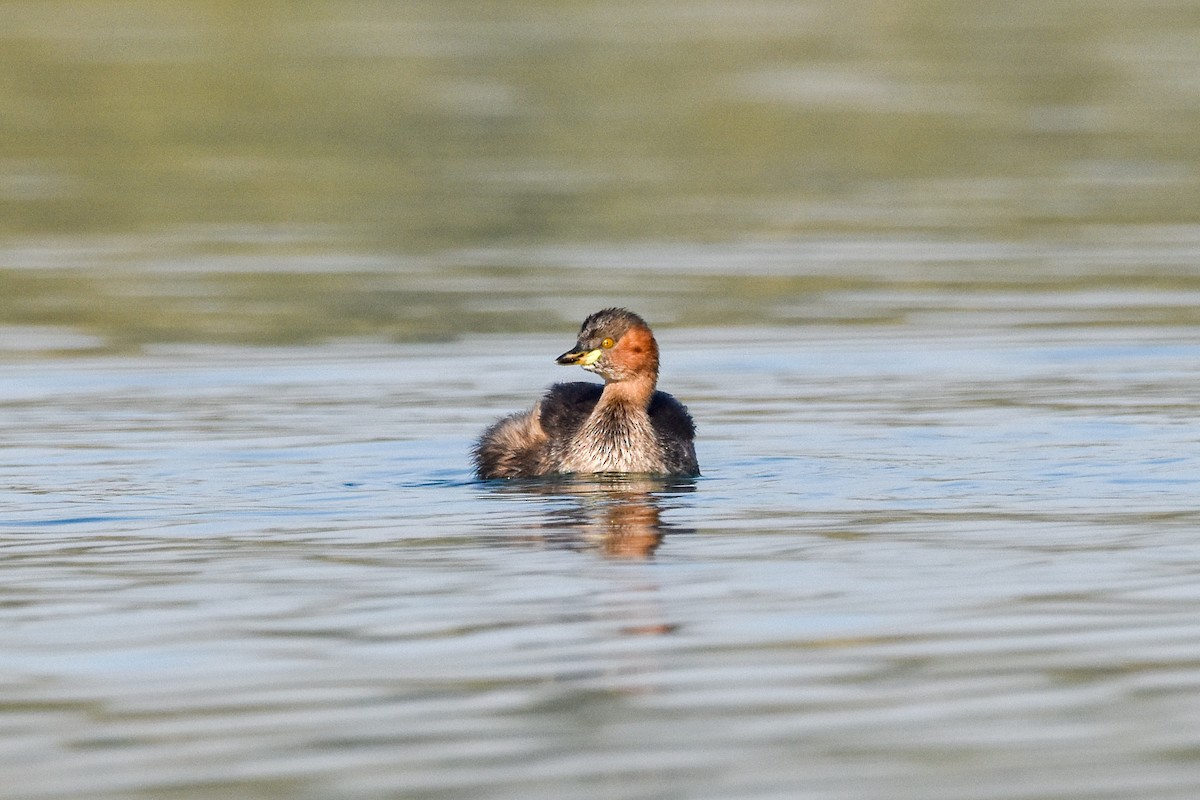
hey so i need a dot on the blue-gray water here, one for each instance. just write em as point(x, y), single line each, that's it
point(924, 561)
point(927, 274)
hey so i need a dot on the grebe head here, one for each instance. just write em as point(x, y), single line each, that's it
point(617, 345)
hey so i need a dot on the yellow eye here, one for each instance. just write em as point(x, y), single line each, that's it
point(607, 343)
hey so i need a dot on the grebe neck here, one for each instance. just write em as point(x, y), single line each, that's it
point(618, 436)
point(631, 392)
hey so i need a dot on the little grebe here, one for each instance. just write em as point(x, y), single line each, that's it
point(623, 426)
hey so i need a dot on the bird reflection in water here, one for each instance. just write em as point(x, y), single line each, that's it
point(618, 515)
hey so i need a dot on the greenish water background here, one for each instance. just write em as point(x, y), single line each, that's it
point(289, 172)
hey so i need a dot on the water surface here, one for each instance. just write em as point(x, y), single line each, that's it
point(930, 562)
point(925, 274)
